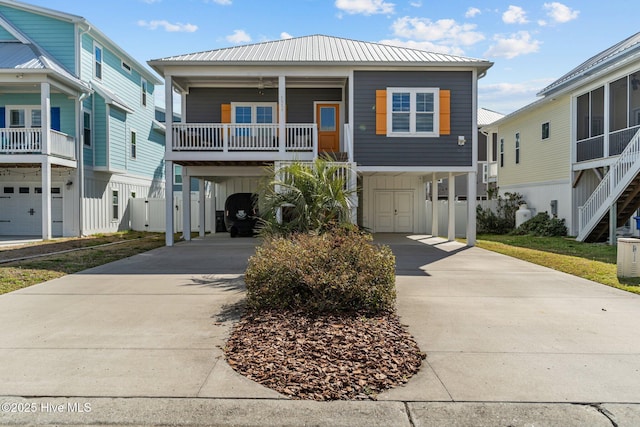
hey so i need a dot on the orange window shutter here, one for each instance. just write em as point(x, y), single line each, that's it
point(381, 112)
point(225, 113)
point(445, 112)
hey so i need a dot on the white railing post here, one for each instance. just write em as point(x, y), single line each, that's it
point(314, 132)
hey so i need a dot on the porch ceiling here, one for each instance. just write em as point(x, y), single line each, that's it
point(266, 82)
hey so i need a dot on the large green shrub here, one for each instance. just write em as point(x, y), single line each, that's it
point(503, 220)
point(337, 271)
point(542, 225)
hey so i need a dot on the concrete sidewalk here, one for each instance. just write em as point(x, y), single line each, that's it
point(139, 341)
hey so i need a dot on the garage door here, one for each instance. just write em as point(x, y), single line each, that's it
point(393, 211)
point(21, 211)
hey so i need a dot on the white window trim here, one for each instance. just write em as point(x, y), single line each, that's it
point(412, 118)
point(115, 190)
point(542, 137)
point(90, 144)
point(27, 114)
point(123, 63)
point(254, 105)
point(176, 174)
point(131, 133)
point(144, 93)
point(94, 60)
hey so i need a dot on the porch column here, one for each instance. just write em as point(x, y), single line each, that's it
point(451, 235)
point(186, 204)
point(471, 208)
point(434, 205)
point(282, 113)
point(168, 197)
point(45, 118)
point(606, 124)
point(168, 120)
point(203, 208)
point(80, 166)
point(46, 198)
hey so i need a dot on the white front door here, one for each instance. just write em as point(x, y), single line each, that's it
point(393, 211)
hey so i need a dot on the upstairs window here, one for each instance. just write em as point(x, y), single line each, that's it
point(134, 148)
point(143, 88)
point(87, 129)
point(413, 112)
point(545, 130)
point(517, 148)
point(501, 152)
point(97, 61)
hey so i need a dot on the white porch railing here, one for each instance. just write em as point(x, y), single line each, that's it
point(620, 175)
point(29, 141)
point(243, 137)
point(62, 145)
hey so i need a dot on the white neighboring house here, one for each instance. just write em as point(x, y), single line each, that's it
point(77, 132)
point(575, 153)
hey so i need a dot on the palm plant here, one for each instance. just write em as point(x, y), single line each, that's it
point(306, 197)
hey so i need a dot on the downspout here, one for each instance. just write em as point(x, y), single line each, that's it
point(80, 133)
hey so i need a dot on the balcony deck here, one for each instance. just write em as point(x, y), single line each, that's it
point(217, 141)
point(29, 141)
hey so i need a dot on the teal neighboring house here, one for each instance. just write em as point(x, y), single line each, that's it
point(78, 134)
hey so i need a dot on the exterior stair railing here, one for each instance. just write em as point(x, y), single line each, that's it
point(613, 184)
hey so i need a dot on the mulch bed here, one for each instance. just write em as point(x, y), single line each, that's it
point(348, 357)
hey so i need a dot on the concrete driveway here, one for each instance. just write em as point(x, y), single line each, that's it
point(507, 343)
point(499, 329)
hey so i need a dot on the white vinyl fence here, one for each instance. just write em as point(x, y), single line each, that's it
point(150, 214)
point(461, 215)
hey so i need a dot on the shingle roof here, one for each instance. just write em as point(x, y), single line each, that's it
point(626, 48)
point(323, 49)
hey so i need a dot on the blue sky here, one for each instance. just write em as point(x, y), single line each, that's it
point(532, 43)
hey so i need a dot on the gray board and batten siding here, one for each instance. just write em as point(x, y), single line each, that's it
point(204, 104)
point(379, 150)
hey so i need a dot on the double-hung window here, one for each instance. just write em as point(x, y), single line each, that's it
point(412, 112)
point(97, 61)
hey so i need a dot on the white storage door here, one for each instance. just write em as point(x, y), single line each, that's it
point(393, 211)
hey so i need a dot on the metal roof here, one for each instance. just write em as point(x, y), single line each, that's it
point(111, 97)
point(608, 57)
point(486, 116)
point(321, 49)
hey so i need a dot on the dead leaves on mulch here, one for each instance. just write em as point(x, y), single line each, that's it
point(325, 357)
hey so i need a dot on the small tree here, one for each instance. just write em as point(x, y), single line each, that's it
point(305, 197)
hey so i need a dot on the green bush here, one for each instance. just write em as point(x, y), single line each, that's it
point(503, 220)
point(337, 271)
point(542, 225)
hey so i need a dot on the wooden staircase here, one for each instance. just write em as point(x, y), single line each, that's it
point(620, 186)
point(627, 204)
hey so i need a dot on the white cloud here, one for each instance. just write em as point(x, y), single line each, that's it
point(542, 22)
point(416, 3)
point(222, 2)
point(151, 1)
point(516, 44)
point(472, 12)
point(509, 97)
point(168, 26)
point(424, 45)
point(444, 35)
point(365, 7)
point(285, 35)
point(239, 36)
point(514, 15)
point(560, 13)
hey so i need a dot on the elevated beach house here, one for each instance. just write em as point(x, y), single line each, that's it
point(401, 117)
point(77, 130)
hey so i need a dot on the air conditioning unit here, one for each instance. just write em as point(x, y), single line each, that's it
point(628, 257)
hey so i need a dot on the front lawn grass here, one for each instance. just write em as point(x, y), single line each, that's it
point(21, 274)
point(592, 261)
